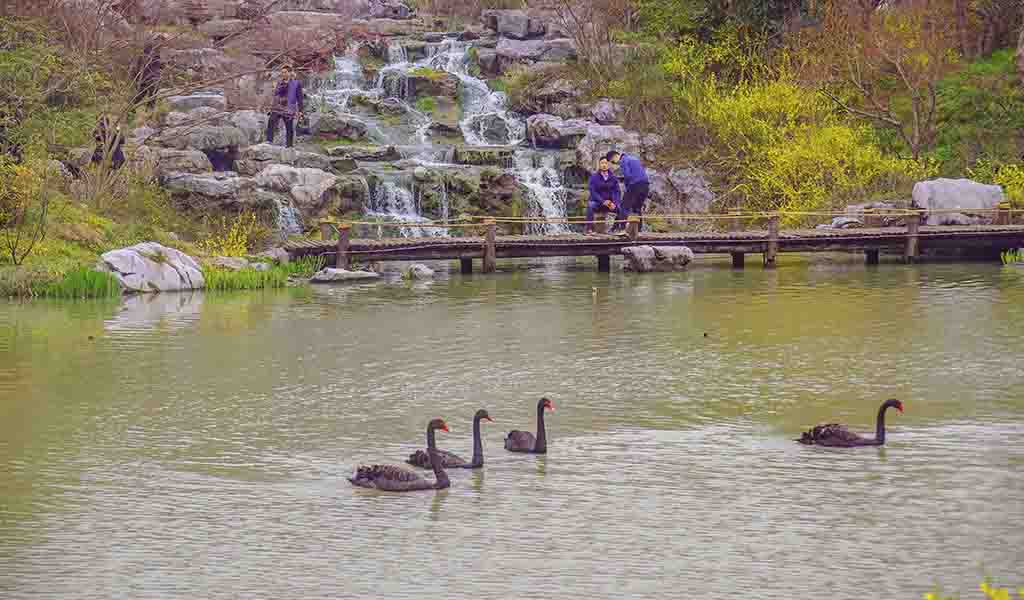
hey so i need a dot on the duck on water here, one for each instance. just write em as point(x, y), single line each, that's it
point(449, 460)
point(837, 435)
point(391, 478)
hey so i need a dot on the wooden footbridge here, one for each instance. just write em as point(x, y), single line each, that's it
point(480, 240)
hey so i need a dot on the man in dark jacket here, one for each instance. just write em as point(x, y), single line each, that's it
point(634, 176)
point(605, 196)
point(288, 104)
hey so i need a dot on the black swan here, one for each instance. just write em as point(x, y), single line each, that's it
point(397, 479)
point(420, 458)
point(523, 441)
point(834, 434)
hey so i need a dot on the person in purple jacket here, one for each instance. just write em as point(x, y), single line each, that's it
point(288, 104)
point(634, 176)
point(605, 196)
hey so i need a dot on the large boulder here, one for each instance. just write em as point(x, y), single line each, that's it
point(950, 201)
point(365, 153)
point(225, 188)
point(599, 139)
point(607, 112)
point(312, 190)
point(511, 52)
point(549, 131)
point(645, 259)
point(254, 159)
point(183, 161)
point(680, 191)
point(517, 24)
point(204, 129)
point(389, 9)
point(184, 104)
point(150, 267)
point(334, 125)
point(252, 124)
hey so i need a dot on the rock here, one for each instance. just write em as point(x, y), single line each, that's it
point(230, 263)
point(202, 134)
point(424, 81)
point(254, 159)
point(846, 223)
point(329, 275)
point(261, 266)
point(599, 139)
point(389, 9)
point(488, 61)
point(219, 29)
point(191, 102)
point(549, 131)
point(480, 156)
point(306, 21)
point(252, 124)
point(431, 37)
point(515, 24)
point(150, 267)
point(680, 191)
point(946, 194)
point(493, 128)
point(311, 189)
point(420, 272)
point(422, 174)
point(365, 153)
point(511, 52)
point(645, 259)
point(183, 161)
point(278, 255)
point(607, 112)
point(468, 35)
point(226, 187)
point(140, 135)
point(333, 125)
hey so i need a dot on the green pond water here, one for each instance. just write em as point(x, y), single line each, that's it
point(196, 446)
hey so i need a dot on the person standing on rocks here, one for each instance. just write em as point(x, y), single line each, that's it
point(638, 186)
point(288, 104)
point(605, 196)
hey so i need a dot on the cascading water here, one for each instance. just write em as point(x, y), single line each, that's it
point(538, 173)
point(391, 201)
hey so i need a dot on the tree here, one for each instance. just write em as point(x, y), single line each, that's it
point(887, 71)
point(24, 203)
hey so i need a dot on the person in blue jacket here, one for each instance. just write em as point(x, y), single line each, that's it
point(605, 196)
point(634, 176)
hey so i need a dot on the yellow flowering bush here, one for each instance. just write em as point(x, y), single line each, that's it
point(236, 236)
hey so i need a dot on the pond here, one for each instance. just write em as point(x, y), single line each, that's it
point(191, 446)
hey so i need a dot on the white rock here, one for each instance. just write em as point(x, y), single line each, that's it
point(197, 100)
point(256, 158)
point(150, 267)
point(419, 271)
point(231, 263)
point(947, 194)
point(644, 259)
point(310, 188)
point(329, 275)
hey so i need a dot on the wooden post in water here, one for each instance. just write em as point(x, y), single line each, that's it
point(343, 261)
point(490, 254)
point(466, 266)
point(872, 218)
point(736, 224)
point(604, 263)
point(1004, 216)
point(871, 257)
point(773, 241)
point(913, 226)
point(325, 230)
point(633, 227)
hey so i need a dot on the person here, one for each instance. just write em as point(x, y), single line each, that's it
point(634, 176)
point(605, 196)
point(287, 105)
point(102, 136)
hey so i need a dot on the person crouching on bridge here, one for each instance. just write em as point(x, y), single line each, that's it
point(605, 196)
point(634, 175)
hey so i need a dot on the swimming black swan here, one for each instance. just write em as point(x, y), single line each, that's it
point(523, 441)
point(397, 479)
point(420, 458)
point(834, 434)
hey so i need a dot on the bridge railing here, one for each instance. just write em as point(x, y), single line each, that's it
point(733, 221)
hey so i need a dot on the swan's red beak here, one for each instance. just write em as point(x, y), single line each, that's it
point(489, 419)
point(900, 408)
point(445, 428)
point(549, 405)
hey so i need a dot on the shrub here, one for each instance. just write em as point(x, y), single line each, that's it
point(220, 280)
point(237, 237)
point(83, 283)
point(426, 105)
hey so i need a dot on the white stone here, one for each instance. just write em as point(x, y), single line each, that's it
point(645, 259)
point(231, 263)
point(329, 275)
point(150, 267)
point(419, 271)
point(948, 194)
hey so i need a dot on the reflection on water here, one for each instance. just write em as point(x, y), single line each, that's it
point(197, 446)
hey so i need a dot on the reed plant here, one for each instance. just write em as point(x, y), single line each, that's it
point(224, 280)
point(82, 283)
point(1013, 256)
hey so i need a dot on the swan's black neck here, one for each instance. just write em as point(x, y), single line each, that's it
point(431, 444)
point(541, 445)
point(439, 473)
point(478, 445)
point(880, 425)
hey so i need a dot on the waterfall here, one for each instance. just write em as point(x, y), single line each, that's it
point(289, 219)
point(393, 202)
point(538, 175)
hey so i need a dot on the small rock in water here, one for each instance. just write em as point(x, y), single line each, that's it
point(419, 272)
point(261, 266)
point(329, 275)
point(231, 263)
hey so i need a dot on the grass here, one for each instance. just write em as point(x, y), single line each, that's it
point(426, 105)
point(277, 276)
point(83, 283)
point(1013, 256)
point(428, 73)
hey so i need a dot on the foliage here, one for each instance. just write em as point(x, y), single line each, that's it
point(305, 266)
point(1010, 257)
point(220, 280)
point(991, 593)
point(83, 282)
point(426, 105)
point(428, 73)
point(1009, 176)
point(24, 202)
point(237, 238)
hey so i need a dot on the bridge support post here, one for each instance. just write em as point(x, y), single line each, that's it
point(738, 259)
point(633, 227)
point(910, 254)
point(872, 218)
point(871, 257)
point(773, 242)
point(466, 266)
point(604, 263)
point(325, 230)
point(490, 254)
point(1004, 216)
point(343, 260)
point(736, 223)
